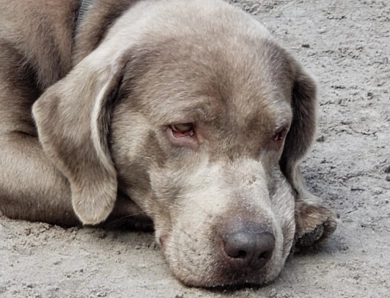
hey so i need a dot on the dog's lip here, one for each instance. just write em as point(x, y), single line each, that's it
point(162, 241)
point(229, 279)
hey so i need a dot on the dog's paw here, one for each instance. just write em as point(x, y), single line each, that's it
point(314, 223)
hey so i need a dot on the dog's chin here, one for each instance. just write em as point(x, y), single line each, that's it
point(224, 279)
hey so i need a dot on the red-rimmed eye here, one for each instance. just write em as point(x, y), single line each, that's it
point(279, 135)
point(183, 130)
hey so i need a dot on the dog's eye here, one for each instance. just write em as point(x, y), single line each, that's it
point(277, 139)
point(279, 135)
point(183, 130)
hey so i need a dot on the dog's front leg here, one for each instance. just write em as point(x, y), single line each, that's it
point(31, 188)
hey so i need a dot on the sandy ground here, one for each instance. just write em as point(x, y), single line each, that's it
point(346, 45)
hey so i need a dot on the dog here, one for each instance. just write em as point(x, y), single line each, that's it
point(183, 113)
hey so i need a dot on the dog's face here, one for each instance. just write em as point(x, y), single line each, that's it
point(196, 140)
point(191, 119)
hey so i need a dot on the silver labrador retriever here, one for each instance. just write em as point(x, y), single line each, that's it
point(189, 108)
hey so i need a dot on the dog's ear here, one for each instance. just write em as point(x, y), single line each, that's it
point(303, 127)
point(73, 118)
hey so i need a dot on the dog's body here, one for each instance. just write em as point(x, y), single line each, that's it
point(189, 108)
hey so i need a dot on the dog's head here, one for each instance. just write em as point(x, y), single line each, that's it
point(192, 109)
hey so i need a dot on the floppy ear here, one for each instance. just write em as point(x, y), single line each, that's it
point(73, 118)
point(313, 220)
point(303, 127)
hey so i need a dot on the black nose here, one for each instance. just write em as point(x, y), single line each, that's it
point(248, 249)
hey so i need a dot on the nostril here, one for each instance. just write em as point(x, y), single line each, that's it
point(265, 255)
point(240, 254)
point(248, 249)
point(236, 245)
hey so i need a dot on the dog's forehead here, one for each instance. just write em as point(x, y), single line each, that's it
point(201, 56)
point(244, 81)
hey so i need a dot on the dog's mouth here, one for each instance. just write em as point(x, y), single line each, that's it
point(226, 264)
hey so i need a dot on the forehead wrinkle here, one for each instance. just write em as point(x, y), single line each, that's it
point(189, 108)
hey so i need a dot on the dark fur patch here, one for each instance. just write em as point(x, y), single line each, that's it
point(301, 134)
point(19, 91)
